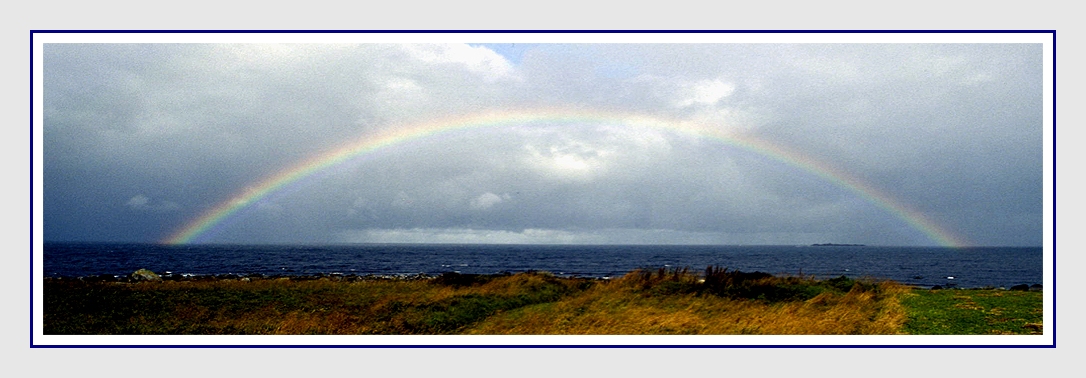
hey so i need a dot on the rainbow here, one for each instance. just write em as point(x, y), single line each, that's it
point(370, 143)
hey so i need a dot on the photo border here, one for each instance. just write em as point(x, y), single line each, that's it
point(37, 340)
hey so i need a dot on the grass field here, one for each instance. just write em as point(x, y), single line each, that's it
point(715, 301)
point(973, 312)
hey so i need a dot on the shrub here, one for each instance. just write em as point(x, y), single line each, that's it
point(455, 279)
point(735, 284)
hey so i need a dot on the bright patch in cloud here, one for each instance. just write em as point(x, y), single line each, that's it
point(571, 159)
point(477, 59)
point(488, 200)
point(138, 201)
point(144, 203)
point(557, 236)
point(706, 92)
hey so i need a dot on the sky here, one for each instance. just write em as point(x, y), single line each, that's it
point(595, 143)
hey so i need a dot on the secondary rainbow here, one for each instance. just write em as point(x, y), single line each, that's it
point(254, 192)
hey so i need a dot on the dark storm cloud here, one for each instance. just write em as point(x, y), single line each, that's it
point(140, 139)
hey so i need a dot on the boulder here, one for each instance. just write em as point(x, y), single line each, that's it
point(1022, 287)
point(145, 275)
point(1036, 287)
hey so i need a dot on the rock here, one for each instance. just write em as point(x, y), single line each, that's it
point(1036, 287)
point(1022, 287)
point(145, 275)
point(937, 287)
point(99, 278)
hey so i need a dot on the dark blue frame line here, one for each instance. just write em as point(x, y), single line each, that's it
point(1052, 32)
point(32, 189)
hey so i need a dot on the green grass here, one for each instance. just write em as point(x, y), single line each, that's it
point(973, 312)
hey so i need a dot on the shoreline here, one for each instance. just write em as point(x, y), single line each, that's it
point(925, 267)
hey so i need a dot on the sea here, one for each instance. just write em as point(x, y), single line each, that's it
point(973, 267)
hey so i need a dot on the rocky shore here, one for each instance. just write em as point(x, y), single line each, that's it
point(143, 275)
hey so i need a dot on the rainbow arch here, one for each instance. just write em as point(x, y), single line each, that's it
point(214, 216)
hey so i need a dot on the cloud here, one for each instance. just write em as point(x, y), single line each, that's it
point(705, 92)
point(488, 200)
point(477, 59)
point(464, 236)
point(952, 131)
point(568, 159)
point(554, 236)
point(143, 203)
point(138, 201)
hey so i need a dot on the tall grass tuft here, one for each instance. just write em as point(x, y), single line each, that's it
point(720, 281)
point(675, 301)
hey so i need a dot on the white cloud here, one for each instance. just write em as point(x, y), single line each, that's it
point(400, 95)
point(557, 236)
point(402, 85)
point(705, 92)
point(488, 200)
point(477, 59)
point(144, 203)
point(138, 201)
point(570, 159)
point(466, 236)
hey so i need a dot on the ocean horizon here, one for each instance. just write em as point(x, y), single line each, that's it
point(965, 267)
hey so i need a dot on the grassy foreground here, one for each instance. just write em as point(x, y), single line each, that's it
point(642, 302)
point(973, 312)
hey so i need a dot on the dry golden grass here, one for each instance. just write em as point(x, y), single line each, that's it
point(618, 308)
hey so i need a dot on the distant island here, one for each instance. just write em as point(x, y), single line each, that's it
point(836, 245)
